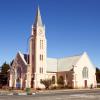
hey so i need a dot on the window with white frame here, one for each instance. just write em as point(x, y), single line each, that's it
point(85, 72)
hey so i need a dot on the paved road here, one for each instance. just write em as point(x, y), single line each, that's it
point(59, 95)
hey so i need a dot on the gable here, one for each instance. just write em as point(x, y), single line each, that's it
point(85, 62)
point(19, 62)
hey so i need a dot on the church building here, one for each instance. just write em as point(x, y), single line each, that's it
point(27, 70)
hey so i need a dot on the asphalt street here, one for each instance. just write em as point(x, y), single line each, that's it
point(59, 95)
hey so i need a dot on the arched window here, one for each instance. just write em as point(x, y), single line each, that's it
point(41, 44)
point(19, 72)
point(41, 70)
point(85, 72)
point(60, 80)
point(53, 79)
point(41, 57)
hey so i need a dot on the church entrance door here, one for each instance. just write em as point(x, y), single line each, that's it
point(18, 84)
point(32, 82)
point(85, 83)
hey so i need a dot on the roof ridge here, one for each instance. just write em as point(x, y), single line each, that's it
point(22, 56)
point(70, 56)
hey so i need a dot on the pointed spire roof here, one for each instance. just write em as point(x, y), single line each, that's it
point(38, 19)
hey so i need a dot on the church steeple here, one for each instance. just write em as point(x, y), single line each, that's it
point(38, 19)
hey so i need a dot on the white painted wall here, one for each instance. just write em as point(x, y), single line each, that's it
point(78, 79)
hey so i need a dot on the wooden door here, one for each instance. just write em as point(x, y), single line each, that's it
point(85, 83)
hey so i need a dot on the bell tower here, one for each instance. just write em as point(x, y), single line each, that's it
point(38, 52)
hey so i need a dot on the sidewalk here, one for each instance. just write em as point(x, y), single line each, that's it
point(21, 92)
point(12, 92)
point(67, 90)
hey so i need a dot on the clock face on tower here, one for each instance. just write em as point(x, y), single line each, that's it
point(40, 32)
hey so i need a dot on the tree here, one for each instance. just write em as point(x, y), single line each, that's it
point(46, 83)
point(4, 68)
point(4, 74)
point(98, 75)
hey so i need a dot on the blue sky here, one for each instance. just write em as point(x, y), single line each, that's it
point(72, 27)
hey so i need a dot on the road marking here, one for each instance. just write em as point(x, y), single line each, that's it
point(81, 96)
point(59, 98)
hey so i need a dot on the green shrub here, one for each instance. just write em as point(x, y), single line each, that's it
point(38, 88)
point(53, 87)
point(60, 86)
point(28, 90)
point(46, 83)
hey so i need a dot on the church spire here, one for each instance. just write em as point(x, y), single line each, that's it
point(38, 19)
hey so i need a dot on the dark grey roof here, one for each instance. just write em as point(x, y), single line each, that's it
point(26, 57)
